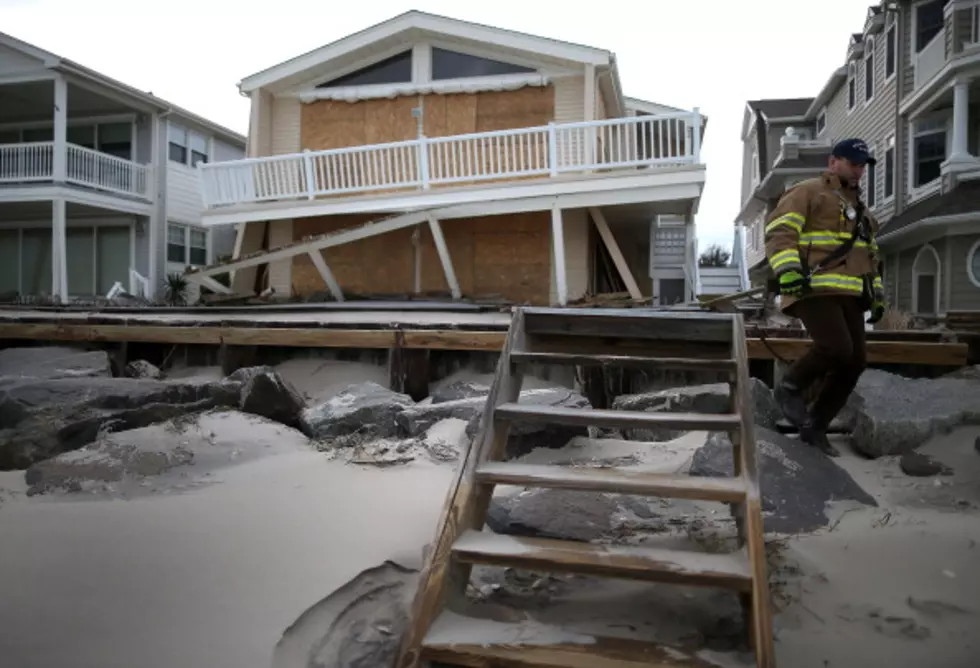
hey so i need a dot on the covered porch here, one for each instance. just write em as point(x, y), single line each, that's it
point(55, 131)
point(69, 250)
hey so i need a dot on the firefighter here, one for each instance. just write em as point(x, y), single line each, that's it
point(820, 244)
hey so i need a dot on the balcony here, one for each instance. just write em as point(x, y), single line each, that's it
point(34, 163)
point(930, 60)
point(550, 151)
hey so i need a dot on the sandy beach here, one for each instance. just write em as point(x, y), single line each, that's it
point(208, 563)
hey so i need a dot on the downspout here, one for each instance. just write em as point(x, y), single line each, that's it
point(160, 174)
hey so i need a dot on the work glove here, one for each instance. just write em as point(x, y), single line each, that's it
point(877, 307)
point(792, 284)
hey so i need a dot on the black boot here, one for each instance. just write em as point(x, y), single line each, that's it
point(817, 437)
point(791, 403)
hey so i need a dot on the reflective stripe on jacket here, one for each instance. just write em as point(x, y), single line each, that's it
point(808, 224)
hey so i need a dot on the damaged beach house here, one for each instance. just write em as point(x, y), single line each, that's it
point(428, 157)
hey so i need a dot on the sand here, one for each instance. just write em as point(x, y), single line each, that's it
point(211, 567)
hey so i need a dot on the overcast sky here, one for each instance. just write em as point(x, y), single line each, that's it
point(712, 54)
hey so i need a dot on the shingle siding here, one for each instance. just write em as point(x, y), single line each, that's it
point(964, 295)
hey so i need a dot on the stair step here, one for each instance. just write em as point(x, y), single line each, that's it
point(616, 480)
point(593, 417)
point(480, 643)
point(705, 569)
point(677, 363)
point(630, 323)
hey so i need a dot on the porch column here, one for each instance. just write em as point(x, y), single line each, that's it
point(961, 123)
point(155, 221)
point(59, 159)
point(59, 251)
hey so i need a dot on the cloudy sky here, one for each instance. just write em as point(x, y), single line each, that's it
point(712, 54)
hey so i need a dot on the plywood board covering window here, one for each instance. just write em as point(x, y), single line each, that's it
point(493, 256)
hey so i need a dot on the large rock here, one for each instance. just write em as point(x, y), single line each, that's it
point(142, 369)
point(269, 395)
point(367, 410)
point(54, 362)
point(43, 417)
point(710, 398)
point(897, 415)
point(525, 436)
point(797, 480)
point(459, 389)
point(416, 420)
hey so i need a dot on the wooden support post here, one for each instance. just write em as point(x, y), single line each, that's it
point(408, 369)
point(614, 251)
point(327, 275)
point(558, 255)
point(447, 263)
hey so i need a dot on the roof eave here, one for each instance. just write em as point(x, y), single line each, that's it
point(827, 92)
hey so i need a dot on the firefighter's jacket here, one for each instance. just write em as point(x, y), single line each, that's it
point(810, 221)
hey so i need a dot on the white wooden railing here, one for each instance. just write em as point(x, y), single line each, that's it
point(139, 285)
point(34, 162)
point(548, 150)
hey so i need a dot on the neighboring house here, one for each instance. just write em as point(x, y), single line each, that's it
point(98, 181)
point(908, 87)
point(478, 155)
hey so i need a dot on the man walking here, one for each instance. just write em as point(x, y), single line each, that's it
point(820, 243)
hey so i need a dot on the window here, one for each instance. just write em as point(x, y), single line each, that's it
point(396, 69)
point(929, 22)
point(973, 263)
point(186, 146)
point(187, 245)
point(925, 281)
point(890, 47)
point(869, 70)
point(928, 151)
point(851, 86)
point(176, 243)
point(871, 181)
point(890, 167)
point(822, 120)
point(199, 149)
point(452, 65)
point(974, 24)
point(198, 247)
point(177, 143)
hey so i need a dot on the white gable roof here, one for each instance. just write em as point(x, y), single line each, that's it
point(421, 23)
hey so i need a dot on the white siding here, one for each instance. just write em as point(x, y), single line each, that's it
point(184, 203)
point(569, 108)
point(575, 224)
point(226, 151)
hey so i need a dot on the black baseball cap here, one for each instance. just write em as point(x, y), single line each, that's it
point(854, 150)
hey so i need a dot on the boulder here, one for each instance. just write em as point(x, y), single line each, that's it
point(525, 436)
point(710, 398)
point(416, 420)
point(54, 362)
point(142, 369)
point(919, 465)
point(897, 414)
point(267, 394)
point(459, 389)
point(797, 480)
point(367, 410)
point(43, 417)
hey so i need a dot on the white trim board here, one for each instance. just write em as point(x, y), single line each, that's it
point(76, 196)
point(429, 23)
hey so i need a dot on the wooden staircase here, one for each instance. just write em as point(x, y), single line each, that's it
point(651, 340)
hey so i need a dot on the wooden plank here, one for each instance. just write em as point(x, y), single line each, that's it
point(897, 352)
point(592, 417)
point(615, 253)
point(631, 323)
point(705, 569)
point(316, 257)
point(623, 481)
point(478, 643)
point(447, 262)
point(679, 363)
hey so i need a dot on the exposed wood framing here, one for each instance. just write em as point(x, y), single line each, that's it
point(615, 252)
point(894, 352)
point(447, 263)
point(321, 266)
point(558, 254)
point(215, 286)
